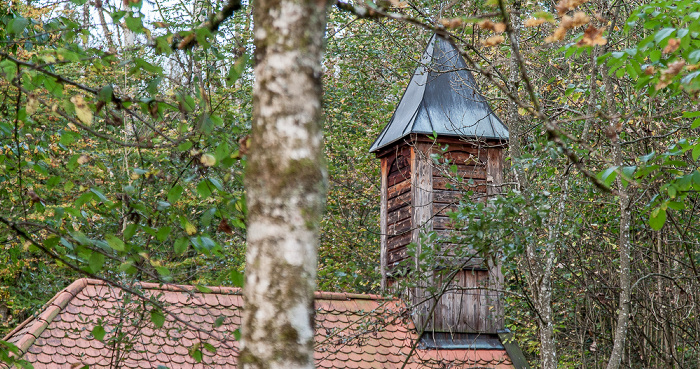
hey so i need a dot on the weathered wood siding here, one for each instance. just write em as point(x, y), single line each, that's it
point(466, 306)
point(417, 194)
point(449, 186)
point(396, 197)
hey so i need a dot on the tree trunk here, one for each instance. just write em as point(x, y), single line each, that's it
point(286, 185)
point(539, 264)
point(624, 241)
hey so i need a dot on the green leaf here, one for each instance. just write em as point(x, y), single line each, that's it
point(694, 57)
point(181, 245)
point(544, 15)
point(203, 189)
point(219, 321)
point(237, 69)
point(663, 34)
point(157, 317)
point(655, 55)
point(695, 124)
point(17, 25)
point(128, 267)
point(209, 347)
point(647, 157)
point(202, 35)
point(675, 205)
point(9, 69)
point(134, 24)
point(608, 175)
point(185, 146)
point(237, 278)
point(163, 271)
point(129, 231)
point(202, 289)
point(696, 179)
point(196, 354)
point(163, 233)
point(237, 334)
point(657, 218)
point(163, 44)
point(696, 151)
point(53, 182)
point(67, 138)
point(97, 260)
point(106, 93)
point(115, 243)
point(102, 197)
point(174, 194)
point(671, 191)
point(205, 123)
point(186, 102)
point(99, 332)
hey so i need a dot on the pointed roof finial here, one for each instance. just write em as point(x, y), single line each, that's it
point(442, 97)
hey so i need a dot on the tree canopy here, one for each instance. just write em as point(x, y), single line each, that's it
point(125, 133)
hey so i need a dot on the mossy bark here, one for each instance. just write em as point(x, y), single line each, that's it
point(286, 185)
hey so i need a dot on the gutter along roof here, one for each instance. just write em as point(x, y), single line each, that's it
point(442, 97)
point(352, 331)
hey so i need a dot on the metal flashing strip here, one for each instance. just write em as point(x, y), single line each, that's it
point(459, 341)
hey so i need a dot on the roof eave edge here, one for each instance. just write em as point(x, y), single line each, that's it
point(513, 350)
point(48, 313)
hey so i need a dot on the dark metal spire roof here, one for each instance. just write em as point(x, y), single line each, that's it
point(442, 97)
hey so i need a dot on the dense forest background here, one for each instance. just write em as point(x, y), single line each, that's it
point(123, 142)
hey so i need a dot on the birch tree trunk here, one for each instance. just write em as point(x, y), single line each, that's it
point(286, 185)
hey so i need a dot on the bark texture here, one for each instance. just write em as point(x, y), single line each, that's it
point(623, 315)
point(539, 258)
point(286, 185)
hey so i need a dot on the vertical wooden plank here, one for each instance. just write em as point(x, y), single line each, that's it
point(421, 202)
point(494, 178)
point(495, 284)
point(468, 302)
point(484, 294)
point(494, 171)
point(383, 216)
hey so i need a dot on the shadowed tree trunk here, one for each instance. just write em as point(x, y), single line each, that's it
point(286, 185)
point(539, 259)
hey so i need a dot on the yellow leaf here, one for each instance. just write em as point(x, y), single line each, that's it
point(82, 110)
point(32, 105)
point(208, 160)
point(190, 229)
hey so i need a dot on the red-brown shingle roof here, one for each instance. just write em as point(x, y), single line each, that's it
point(352, 331)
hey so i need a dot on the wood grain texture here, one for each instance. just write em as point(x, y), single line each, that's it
point(383, 216)
point(398, 189)
point(422, 196)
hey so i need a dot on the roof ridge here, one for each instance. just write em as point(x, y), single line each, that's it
point(348, 296)
point(47, 313)
point(220, 290)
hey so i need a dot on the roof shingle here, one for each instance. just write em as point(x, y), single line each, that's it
point(352, 331)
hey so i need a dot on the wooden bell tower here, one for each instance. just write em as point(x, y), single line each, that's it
point(442, 118)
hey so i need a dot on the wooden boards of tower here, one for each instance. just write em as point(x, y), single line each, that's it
point(423, 180)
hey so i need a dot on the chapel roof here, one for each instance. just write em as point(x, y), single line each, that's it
point(352, 331)
point(443, 98)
